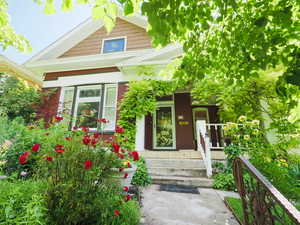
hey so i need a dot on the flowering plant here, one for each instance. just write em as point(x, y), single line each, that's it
point(80, 168)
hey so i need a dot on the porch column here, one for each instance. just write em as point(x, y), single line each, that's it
point(140, 134)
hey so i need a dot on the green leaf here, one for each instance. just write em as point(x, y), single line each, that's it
point(49, 7)
point(128, 8)
point(98, 12)
point(67, 5)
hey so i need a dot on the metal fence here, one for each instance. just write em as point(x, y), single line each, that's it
point(262, 203)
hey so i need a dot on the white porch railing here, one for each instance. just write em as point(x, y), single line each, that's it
point(209, 136)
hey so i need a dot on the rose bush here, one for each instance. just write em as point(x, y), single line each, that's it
point(79, 168)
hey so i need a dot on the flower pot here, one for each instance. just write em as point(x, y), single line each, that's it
point(130, 172)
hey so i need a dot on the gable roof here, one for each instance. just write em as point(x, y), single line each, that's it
point(19, 71)
point(79, 33)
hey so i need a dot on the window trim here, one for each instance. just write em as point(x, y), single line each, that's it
point(100, 99)
point(115, 106)
point(114, 38)
point(61, 102)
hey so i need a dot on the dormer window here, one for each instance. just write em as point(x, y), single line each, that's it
point(113, 45)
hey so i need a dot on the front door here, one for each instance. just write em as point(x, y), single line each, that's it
point(164, 127)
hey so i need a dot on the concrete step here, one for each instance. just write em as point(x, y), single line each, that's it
point(175, 163)
point(187, 181)
point(177, 171)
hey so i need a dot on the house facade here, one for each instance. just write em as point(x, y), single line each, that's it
point(87, 72)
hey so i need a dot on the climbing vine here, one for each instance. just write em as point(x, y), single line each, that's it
point(140, 100)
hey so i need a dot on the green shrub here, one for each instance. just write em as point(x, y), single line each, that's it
point(224, 181)
point(141, 176)
point(22, 202)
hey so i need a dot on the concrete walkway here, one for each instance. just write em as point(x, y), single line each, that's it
point(172, 208)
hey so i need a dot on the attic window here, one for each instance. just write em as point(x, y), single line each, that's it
point(113, 45)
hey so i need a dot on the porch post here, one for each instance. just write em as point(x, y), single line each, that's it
point(140, 134)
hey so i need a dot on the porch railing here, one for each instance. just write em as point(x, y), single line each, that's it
point(262, 203)
point(203, 145)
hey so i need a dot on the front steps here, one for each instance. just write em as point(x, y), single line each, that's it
point(189, 172)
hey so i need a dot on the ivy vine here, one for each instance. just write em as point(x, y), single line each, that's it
point(138, 101)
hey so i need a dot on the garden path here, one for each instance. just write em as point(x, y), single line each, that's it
point(173, 208)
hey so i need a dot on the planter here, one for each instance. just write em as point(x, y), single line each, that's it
point(130, 172)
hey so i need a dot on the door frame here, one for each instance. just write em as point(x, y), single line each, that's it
point(165, 104)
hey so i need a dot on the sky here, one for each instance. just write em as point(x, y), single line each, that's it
point(28, 19)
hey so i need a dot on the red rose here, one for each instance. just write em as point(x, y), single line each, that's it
point(96, 135)
point(116, 212)
point(23, 158)
point(68, 138)
point(121, 156)
point(103, 120)
point(59, 148)
point(59, 118)
point(35, 148)
point(128, 165)
point(125, 175)
point(125, 188)
point(123, 151)
point(128, 197)
point(86, 140)
point(49, 158)
point(94, 142)
point(116, 148)
point(84, 129)
point(75, 128)
point(135, 156)
point(119, 130)
point(87, 164)
point(121, 169)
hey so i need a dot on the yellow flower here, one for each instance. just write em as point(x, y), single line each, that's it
point(125, 162)
point(246, 137)
point(255, 122)
point(242, 118)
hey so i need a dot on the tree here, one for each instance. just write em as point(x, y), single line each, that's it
point(17, 100)
point(8, 37)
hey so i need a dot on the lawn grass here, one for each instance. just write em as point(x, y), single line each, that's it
point(235, 204)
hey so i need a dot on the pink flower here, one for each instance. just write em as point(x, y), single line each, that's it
point(116, 212)
point(58, 118)
point(135, 156)
point(87, 164)
point(96, 135)
point(128, 197)
point(49, 158)
point(125, 188)
point(75, 128)
point(86, 140)
point(103, 120)
point(116, 148)
point(119, 130)
point(94, 142)
point(59, 148)
point(23, 158)
point(84, 129)
point(35, 148)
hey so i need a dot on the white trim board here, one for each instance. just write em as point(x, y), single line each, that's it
point(98, 78)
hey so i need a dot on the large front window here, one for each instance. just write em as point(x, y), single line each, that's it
point(92, 103)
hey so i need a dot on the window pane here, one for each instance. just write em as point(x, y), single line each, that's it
point(110, 114)
point(89, 93)
point(87, 114)
point(115, 45)
point(68, 101)
point(110, 96)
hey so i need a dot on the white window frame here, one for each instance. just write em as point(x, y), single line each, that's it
point(106, 86)
point(114, 38)
point(61, 102)
point(87, 99)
